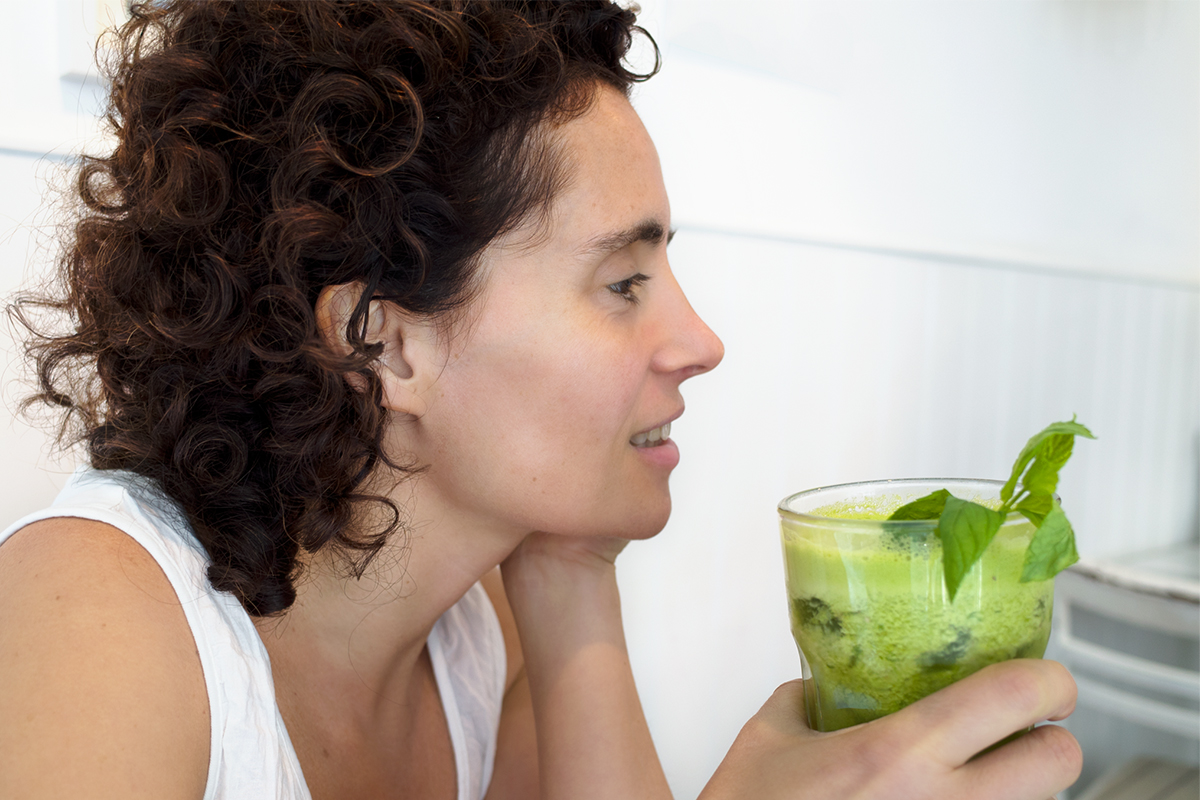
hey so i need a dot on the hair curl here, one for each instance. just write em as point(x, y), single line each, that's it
point(266, 150)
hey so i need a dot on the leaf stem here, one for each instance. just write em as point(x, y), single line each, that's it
point(1013, 502)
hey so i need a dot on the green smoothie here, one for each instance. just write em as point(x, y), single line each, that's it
point(872, 618)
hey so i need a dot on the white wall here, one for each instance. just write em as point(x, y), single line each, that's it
point(924, 229)
point(48, 103)
point(1056, 133)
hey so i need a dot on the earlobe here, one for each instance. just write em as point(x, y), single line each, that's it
point(401, 366)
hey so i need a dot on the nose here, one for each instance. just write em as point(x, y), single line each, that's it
point(690, 348)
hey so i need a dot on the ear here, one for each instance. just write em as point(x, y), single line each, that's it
point(406, 366)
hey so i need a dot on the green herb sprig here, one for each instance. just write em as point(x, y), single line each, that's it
point(966, 528)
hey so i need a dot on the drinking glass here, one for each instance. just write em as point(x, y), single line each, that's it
point(870, 612)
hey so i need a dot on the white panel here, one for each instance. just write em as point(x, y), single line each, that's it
point(1055, 133)
point(49, 94)
point(844, 366)
point(30, 473)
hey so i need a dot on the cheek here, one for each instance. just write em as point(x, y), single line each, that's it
point(580, 408)
point(547, 439)
point(562, 381)
point(541, 406)
point(533, 414)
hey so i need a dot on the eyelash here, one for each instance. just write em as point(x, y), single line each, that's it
point(625, 288)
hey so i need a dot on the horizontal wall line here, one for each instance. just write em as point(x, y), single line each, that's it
point(959, 259)
point(29, 151)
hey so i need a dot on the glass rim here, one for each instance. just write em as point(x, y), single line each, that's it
point(899, 483)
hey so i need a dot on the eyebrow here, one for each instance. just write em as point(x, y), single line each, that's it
point(650, 230)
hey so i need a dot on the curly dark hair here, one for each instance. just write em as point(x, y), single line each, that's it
point(266, 150)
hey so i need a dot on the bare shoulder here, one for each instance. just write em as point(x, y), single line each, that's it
point(101, 688)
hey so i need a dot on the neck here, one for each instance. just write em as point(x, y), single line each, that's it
point(356, 643)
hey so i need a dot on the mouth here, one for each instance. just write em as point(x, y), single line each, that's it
point(653, 437)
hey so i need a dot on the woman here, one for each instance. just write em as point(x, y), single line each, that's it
point(369, 300)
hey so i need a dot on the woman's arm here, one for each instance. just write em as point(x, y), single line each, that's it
point(101, 690)
point(515, 773)
point(592, 738)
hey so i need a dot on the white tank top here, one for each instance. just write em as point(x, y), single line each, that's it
point(251, 755)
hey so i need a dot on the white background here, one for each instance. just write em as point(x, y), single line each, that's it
point(923, 229)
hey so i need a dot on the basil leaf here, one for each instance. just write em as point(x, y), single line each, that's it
point(928, 507)
point(1031, 450)
point(1052, 549)
point(1035, 508)
point(966, 529)
point(1052, 454)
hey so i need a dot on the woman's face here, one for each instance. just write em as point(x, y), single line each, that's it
point(574, 352)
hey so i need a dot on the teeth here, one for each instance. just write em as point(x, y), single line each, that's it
point(652, 437)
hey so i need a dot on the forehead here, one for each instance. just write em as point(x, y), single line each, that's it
point(611, 184)
point(611, 194)
point(614, 176)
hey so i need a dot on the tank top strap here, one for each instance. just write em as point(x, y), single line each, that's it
point(466, 647)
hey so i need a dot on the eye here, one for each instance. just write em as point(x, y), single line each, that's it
point(626, 288)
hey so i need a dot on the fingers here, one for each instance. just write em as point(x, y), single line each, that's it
point(1038, 764)
point(959, 721)
point(924, 750)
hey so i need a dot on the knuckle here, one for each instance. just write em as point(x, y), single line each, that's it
point(757, 732)
point(1070, 688)
point(1023, 688)
point(762, 739)
point(790, 692)
point(786, 702)
point(763, 731)
point(889, 750)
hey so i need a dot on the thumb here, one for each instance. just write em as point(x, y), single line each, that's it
point(784, 711)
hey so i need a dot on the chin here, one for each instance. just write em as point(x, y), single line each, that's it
point(651, 522)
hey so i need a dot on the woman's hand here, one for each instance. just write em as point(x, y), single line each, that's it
point(922, 752)
point(592, 738)
point(574, 555)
